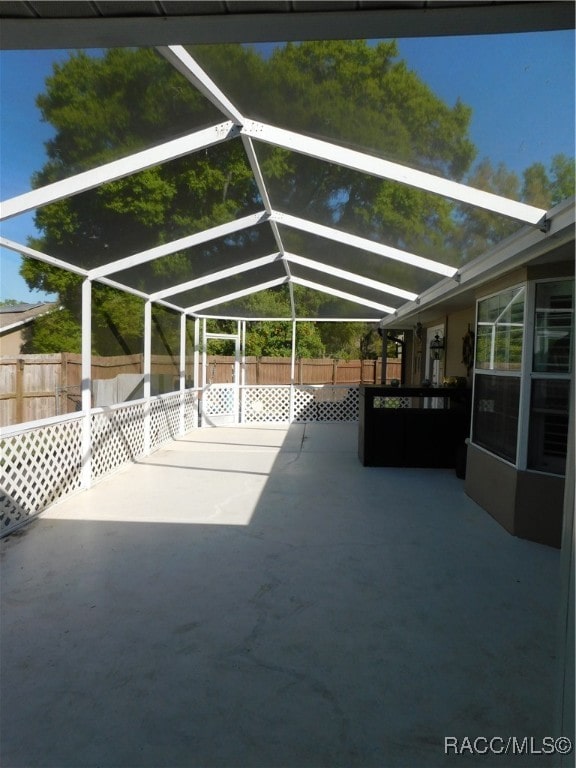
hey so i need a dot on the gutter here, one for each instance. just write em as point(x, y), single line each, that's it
point(513, 252)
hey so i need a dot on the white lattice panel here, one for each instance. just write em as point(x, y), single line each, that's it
point(265, 404)
point(304, 405)
point(327, 403)
point(38, 467)
point(164, 420)
point(218, 400)
point(117, 437)
point(190, 410)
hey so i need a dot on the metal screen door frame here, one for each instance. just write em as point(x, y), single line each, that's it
point(220, 401)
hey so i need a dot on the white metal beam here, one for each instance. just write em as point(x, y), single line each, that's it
point(351, 277)
point(343, 295)
point(376, 166)
point(256, 170)
point(237, 295)
point(263, 189)
point(24, 250)
point(375, 319)
point(147, 371)
point(518, 249)
point(216, 276)
point(86, 387)
point(124, 288)
point(117, 169)
point(255, 319)
point(363, 244)
point(196, 378)
point(187, 66)
point(221, 230)
point(182, 373)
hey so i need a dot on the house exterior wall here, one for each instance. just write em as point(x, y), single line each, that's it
point(11, 342)
point(457, 325)
point(528, 504)
point(491, 483)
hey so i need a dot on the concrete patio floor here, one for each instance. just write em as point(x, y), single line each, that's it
point(253, 596)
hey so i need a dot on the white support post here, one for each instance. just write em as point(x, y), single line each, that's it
point(243, 353)
point(242, 329)
point(292, 371)
point(237, 356)
point(86, 384)
point(182, 373)
point(147, 373)
point(196, 353)
point(196, 373)
point(203, 381)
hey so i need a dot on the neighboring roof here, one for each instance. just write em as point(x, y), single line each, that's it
point(220, 293)
point(17, 315)
point(8, 309)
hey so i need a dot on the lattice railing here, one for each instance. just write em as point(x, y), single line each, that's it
point(326, 403)
point(117, 437)
point(42, 463)
point(262, 404)
point(164, 419)
point(190, 410)
point(38, 466)
point(218, 399)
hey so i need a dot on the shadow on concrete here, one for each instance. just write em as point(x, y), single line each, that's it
point(318, 613)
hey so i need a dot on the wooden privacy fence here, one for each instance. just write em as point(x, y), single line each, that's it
point(35, 387)
point(276, 370)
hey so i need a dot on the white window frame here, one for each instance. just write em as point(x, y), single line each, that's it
point(518, 374)
point(525, 373)
point(529, 375)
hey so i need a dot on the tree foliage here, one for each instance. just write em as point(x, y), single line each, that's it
point(109, 106)
point(540, 186)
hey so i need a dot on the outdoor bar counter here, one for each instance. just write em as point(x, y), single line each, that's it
point(413, 426)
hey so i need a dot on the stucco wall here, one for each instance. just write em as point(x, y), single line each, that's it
point(457, 325)
point(527, 504)
point(11, 342)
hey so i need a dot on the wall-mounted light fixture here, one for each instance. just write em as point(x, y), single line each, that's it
point(437, 347)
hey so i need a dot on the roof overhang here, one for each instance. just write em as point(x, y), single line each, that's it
point(60, 25)
point(525, 247)
point(35, 25)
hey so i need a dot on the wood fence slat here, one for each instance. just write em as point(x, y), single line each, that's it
point(38, 386)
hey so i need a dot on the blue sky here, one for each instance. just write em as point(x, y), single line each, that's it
point(520, 87)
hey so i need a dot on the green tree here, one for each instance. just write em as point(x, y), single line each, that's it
point(55, 332)
point(562, 177)
point(542, 187)
point(108, 106)
point(536, 188)
point(546, 187)
point(479, 229)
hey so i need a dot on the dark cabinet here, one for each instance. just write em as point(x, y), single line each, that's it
point(413, 427)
